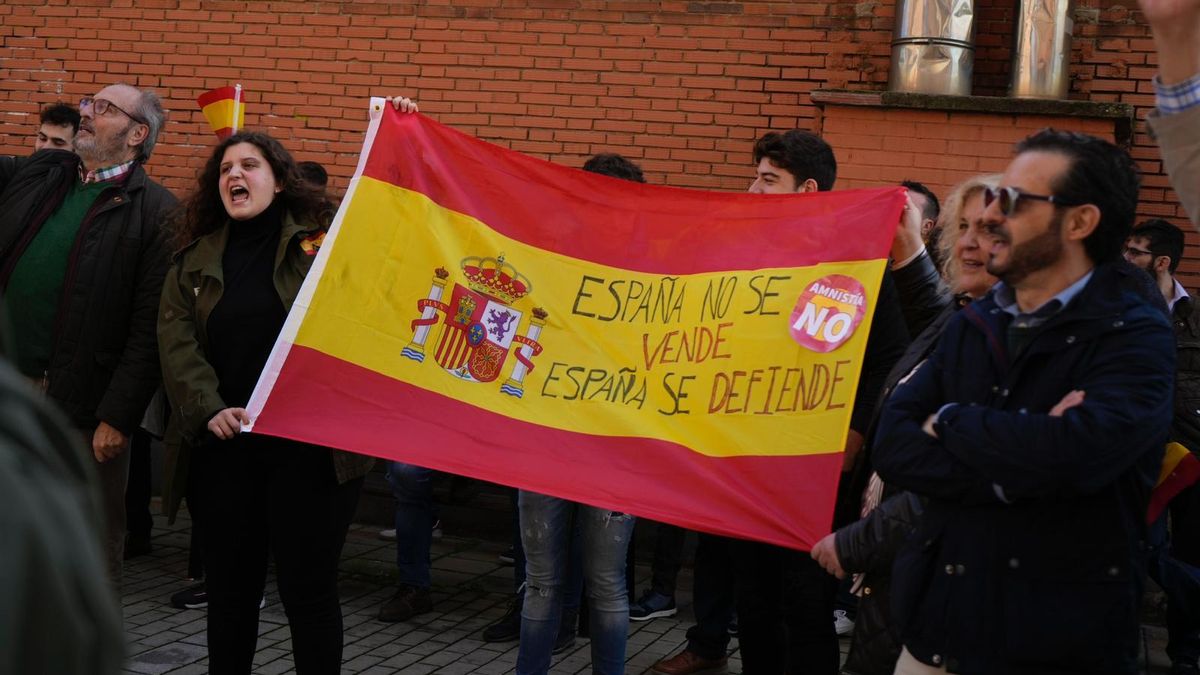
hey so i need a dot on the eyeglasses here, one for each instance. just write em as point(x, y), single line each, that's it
point(1010, 199)
point(101, 106)
point(1131, 252)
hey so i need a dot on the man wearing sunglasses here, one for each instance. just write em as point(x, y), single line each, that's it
point(1036, 431)
point(82, 260)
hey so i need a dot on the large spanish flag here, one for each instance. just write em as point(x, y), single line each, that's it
point(686, 356)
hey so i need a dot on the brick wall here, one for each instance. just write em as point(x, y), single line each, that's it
point(681, 86)
point(939, 148)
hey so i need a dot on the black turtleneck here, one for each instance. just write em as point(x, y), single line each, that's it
point(246, 320)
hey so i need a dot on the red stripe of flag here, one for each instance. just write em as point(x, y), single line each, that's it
point(1185, 474)
point(617, 229)
point(619, 470)
point(215, 95)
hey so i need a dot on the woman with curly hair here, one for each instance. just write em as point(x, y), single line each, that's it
point(249, 234)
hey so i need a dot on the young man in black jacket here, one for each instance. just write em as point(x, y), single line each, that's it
point(784, 600)
point(82, 260)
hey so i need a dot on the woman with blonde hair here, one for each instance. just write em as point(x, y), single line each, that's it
point(867, 547)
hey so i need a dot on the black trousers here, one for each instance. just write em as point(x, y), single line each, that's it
point(138, 520)
point(712, 593)
point(785, 611)
point(264, 494)
point(668, 558)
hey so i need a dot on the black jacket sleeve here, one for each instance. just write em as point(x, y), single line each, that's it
point(870, 544)
point(885, 346)
point(923, 294)
point(8, 169)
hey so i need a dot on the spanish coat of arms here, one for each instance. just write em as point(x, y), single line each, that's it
point(479, 324)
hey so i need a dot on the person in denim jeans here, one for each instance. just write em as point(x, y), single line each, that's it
point(545, 534)
point(415, 514)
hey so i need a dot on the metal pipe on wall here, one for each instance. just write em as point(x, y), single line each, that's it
point(1041, 55)
point(933, 47)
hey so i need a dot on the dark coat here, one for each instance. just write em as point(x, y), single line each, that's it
point(1031, 516)
point(194, 286)
point(869, 545)
point(104, 358)
point(1186, 427)
point(58, 613)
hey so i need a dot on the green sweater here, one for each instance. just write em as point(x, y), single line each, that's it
point(35, 287)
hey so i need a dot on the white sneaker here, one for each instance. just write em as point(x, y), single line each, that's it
point(388, 535)
point(843, 624)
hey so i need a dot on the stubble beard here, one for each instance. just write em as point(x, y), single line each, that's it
point(97, 154)
point(1031, 256)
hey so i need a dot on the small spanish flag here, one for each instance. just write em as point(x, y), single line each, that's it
point(1180, 470)
point(225, 109)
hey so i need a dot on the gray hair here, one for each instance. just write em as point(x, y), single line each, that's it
point(150, 108)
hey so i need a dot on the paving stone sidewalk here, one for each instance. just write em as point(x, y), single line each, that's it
point(471, 589)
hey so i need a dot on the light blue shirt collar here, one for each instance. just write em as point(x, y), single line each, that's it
point(1006, 300)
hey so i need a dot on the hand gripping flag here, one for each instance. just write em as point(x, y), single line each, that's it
point(225, 110)
point(686, 356)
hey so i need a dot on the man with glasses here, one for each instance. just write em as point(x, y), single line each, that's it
point(1036, 431)
point(82, 260)
point(1156, 246)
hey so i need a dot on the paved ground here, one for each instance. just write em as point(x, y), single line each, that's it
point(471, 589)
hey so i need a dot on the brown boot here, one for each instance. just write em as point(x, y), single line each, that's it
point(408, 602)
point(687, 662)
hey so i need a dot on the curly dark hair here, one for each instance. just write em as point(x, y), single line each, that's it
point(203, 212)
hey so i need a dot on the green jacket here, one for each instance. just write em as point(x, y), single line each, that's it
point(193, 287)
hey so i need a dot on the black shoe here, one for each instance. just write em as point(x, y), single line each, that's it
point(136, 545)
point(508, 557)
point(409, 601)
point(508, 627)
point(566, 631)
point(192, 597)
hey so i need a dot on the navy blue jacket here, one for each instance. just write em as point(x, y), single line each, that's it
point(1028, 558)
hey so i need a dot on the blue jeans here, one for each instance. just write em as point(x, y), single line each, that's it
point(574, 587)
point(545, 535)
point(415, 514)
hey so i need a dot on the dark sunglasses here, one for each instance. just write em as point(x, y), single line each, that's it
point(101, 105)
point(1010, 199)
